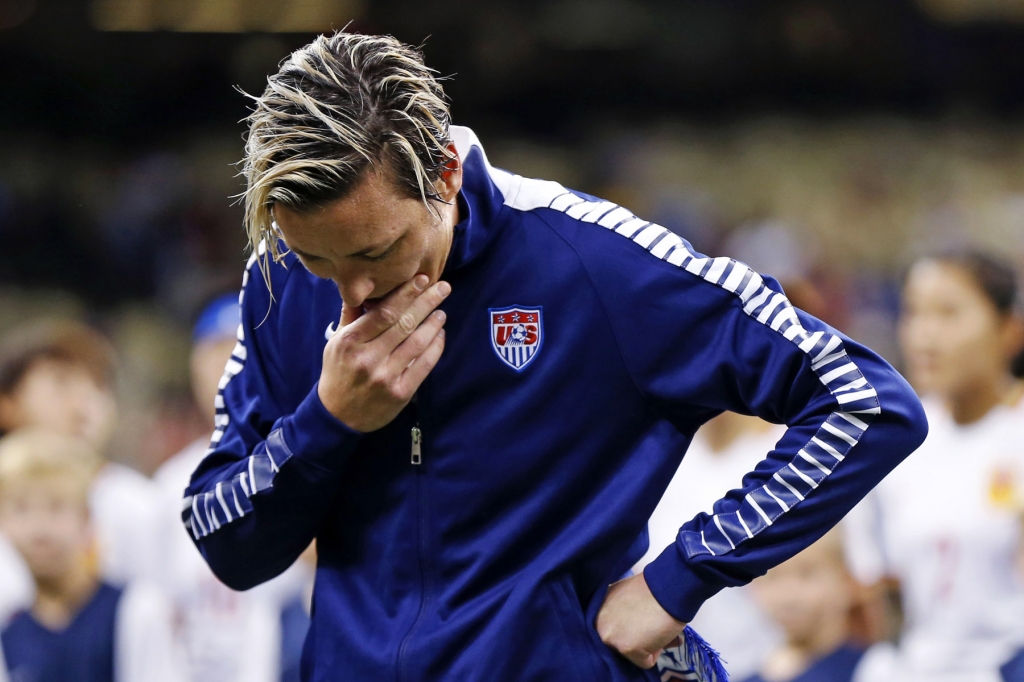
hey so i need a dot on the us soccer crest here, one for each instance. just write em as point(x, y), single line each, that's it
point(516, 335)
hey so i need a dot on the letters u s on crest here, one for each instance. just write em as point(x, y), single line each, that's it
point(517, 333)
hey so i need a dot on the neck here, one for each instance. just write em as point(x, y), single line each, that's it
point(797, 655)
point(451, 219)
point(58, 600)
point(974, 402)
point(727, 428)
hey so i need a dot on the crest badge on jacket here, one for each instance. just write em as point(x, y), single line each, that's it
point(517, 334)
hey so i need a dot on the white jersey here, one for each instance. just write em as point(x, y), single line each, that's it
point(730, 621)
point(228, 636)
point(945, 523)
point(145, 648)
point(123, 504)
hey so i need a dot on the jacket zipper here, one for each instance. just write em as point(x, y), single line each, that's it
point(417, 450)
point(416, 460)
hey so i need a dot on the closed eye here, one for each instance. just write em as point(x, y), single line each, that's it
point(314, 264)
point(381, 256)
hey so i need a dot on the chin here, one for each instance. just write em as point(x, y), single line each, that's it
point(47, 570)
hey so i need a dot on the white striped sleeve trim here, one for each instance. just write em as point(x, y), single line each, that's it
point(647, 235)
point(862, 425)
point(598, 212)
point(753, 503)
point(813, 462)
point(718, 522)
point(826, 447)
point(631, 227)
point(782, 505)
point(839, 372)
point(614, 217)
point(718, 266)
point(838, 433)
point(236, 363)
point(229, 500)
point(735, 278)
point(804, 477)
point(856, 400)
point(670, 242)
point(563, 202)
point(746, 528)
point(704, 543)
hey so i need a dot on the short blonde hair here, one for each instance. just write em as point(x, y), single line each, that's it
point(31, 454)
point(340, 105)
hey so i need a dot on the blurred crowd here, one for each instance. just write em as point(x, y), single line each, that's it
point(909, 239)
point(98, 578)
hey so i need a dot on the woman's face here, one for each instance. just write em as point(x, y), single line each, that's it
point(952, 336)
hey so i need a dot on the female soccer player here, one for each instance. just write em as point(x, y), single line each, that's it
point(562, 352)
point(945, 521)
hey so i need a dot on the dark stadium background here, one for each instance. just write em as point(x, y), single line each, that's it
point(862, 132)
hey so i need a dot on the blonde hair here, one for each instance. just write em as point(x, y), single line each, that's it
point(32, 454)
point(340, 105)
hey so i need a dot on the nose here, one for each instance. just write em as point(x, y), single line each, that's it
point(355, 289)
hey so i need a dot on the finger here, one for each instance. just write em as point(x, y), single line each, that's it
point(418, 370)
point(383, 317)
point(349, 314)
point(642, 660)
point(418, 341)
point(411, 318)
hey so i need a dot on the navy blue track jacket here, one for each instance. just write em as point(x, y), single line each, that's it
point(474, 537)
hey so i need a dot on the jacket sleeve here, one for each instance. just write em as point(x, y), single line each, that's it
point(256, 501)
point(703, 335)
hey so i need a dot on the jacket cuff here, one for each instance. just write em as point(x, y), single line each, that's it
point(316, 436)
point(676, 586)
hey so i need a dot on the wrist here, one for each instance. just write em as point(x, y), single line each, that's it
point(676, 586)
point(314, 433)
point(335, 410)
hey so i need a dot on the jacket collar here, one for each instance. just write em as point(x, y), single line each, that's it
point(481, 200)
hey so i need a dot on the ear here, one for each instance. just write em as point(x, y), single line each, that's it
point(449, 182)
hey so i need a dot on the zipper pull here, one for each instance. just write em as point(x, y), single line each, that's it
point(417, 452)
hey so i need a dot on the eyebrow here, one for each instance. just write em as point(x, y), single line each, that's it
point(364, 252)
point(303, 254)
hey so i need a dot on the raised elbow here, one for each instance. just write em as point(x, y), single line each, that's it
point(902, 409)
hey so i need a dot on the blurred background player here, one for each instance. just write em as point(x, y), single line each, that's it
point(723, 450)
point(945, 523)
point(59, 376)
point(812, 599)
point(78, 627)
point(229, 636)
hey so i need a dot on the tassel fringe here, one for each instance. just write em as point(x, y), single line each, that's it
point(691, 658)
